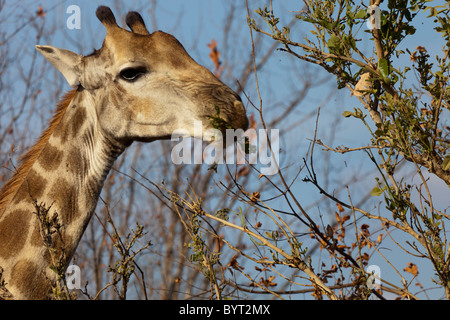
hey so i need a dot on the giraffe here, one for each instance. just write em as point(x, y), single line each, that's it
point(139, 86)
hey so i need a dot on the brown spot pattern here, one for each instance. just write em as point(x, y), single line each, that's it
point(64, 196)
point(50, 158)
point(14, 230)
point(78, 119)
point(33, 186)
point(31, 281)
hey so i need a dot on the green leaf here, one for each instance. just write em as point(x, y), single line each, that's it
point(446, 163)
point(361, 14)
point(349, 40)
point(333, 42)
point(376, 192)
point(348, 114)
point(383, 68)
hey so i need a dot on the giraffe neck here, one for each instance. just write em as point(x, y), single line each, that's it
point(63, 183)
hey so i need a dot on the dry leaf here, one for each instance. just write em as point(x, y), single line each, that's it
point(255, 197)
point(364, 257)
point(329, 232)
point(411, 268)
point(362, 85)
point(40, 12)
point(234, 264)
point(218, 243)
point(252, 121)
point(243, 171)
point(365, 230)
point(421, 49)
point(268, 282)
point(214, 55)
point(271, 283)
point(340, 208)
point(338, 217)
point(413, 56)
point(380, 237)
point(419, 285)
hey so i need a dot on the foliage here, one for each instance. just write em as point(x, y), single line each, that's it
point(407, 122)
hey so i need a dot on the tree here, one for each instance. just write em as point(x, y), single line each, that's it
point(407, 123)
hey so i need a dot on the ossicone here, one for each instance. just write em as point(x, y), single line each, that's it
point(135, 22)
point(106, 16)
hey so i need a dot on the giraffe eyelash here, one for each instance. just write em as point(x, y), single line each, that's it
point(133, 73)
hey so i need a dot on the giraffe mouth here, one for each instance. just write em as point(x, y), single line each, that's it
point(226, 118)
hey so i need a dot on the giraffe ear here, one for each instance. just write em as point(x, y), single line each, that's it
point(65, 61)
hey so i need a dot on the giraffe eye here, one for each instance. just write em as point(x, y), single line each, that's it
point(132, 74)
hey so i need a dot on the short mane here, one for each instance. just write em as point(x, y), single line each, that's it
point(10, 188)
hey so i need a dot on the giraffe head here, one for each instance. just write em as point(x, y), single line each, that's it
point(145, 85)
